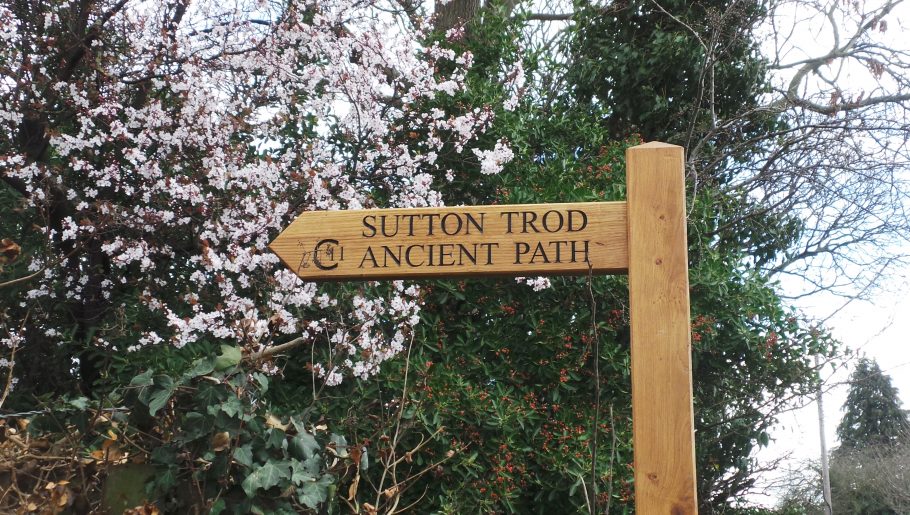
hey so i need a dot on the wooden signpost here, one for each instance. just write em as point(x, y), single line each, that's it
point(644, 237)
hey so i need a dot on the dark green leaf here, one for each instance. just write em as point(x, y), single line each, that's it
point(304, 445)
point(158, 397)
point(230, 356)
point(265, 477)
point(232, 406)
point(244, 455)
point(300, 473)
point(311, 494)
point(143, 379)
point(201, 367)
point(263, 381)
point(275, 438)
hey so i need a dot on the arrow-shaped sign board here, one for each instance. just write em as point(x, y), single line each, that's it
point(520, 240)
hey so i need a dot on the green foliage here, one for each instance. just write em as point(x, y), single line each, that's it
point(498, 409)
point(872, 412)
point(45, 354)
point(206, 438)
point(750, 354)
point(493, 411)
point(269, 455)
point(502, 376)
point(867, 469)
point(670, 72)
point(651, 67)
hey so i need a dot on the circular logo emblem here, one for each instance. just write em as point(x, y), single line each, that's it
point(327, 254)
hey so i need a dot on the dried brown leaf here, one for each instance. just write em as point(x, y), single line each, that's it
point(352, 490)
point(274, 422)
point(9, 251)
point(221, 441)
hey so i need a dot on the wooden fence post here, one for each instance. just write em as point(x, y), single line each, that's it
point(662, 416)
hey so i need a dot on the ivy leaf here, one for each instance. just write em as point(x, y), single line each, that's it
point(142, 380)
point(167, 478)
point(265, 477)
point(275, 438)
point(217, 507)
point(232, 406)
point(263, 381)
point(159, 397)
point(244, 455)
point(79, 403)
point(313, 465)
point(164, 455)
point(313, 493)
point(300, 473)
point(304, 445)
point(201, 367)
point(230, 356)
point(209, 395)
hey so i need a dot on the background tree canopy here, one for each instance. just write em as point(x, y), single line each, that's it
point(872, 413)
point(868, 470)
point(150, 153)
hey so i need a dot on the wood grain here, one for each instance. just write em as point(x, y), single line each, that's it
point(516, 240)
point(662, 416)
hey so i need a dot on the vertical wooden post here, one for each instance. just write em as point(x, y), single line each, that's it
point(662, 416)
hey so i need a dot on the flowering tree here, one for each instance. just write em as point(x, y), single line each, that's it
point(151, 150)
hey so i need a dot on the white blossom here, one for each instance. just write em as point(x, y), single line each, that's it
point(537, 283)
point(492, 161)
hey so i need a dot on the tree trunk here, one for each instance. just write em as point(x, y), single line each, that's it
point(826, 479)
point(455, 12)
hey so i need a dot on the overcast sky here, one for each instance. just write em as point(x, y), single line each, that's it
point(878, 329)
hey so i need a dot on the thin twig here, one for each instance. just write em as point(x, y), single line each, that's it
point(275, 349)
point(593, 504)
point(612, 459)
point(29, 277)
point(401, 405)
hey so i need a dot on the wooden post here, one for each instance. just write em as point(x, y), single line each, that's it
point(662, 416)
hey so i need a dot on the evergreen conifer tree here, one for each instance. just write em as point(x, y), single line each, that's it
point(866, 470)
point(872, 413)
